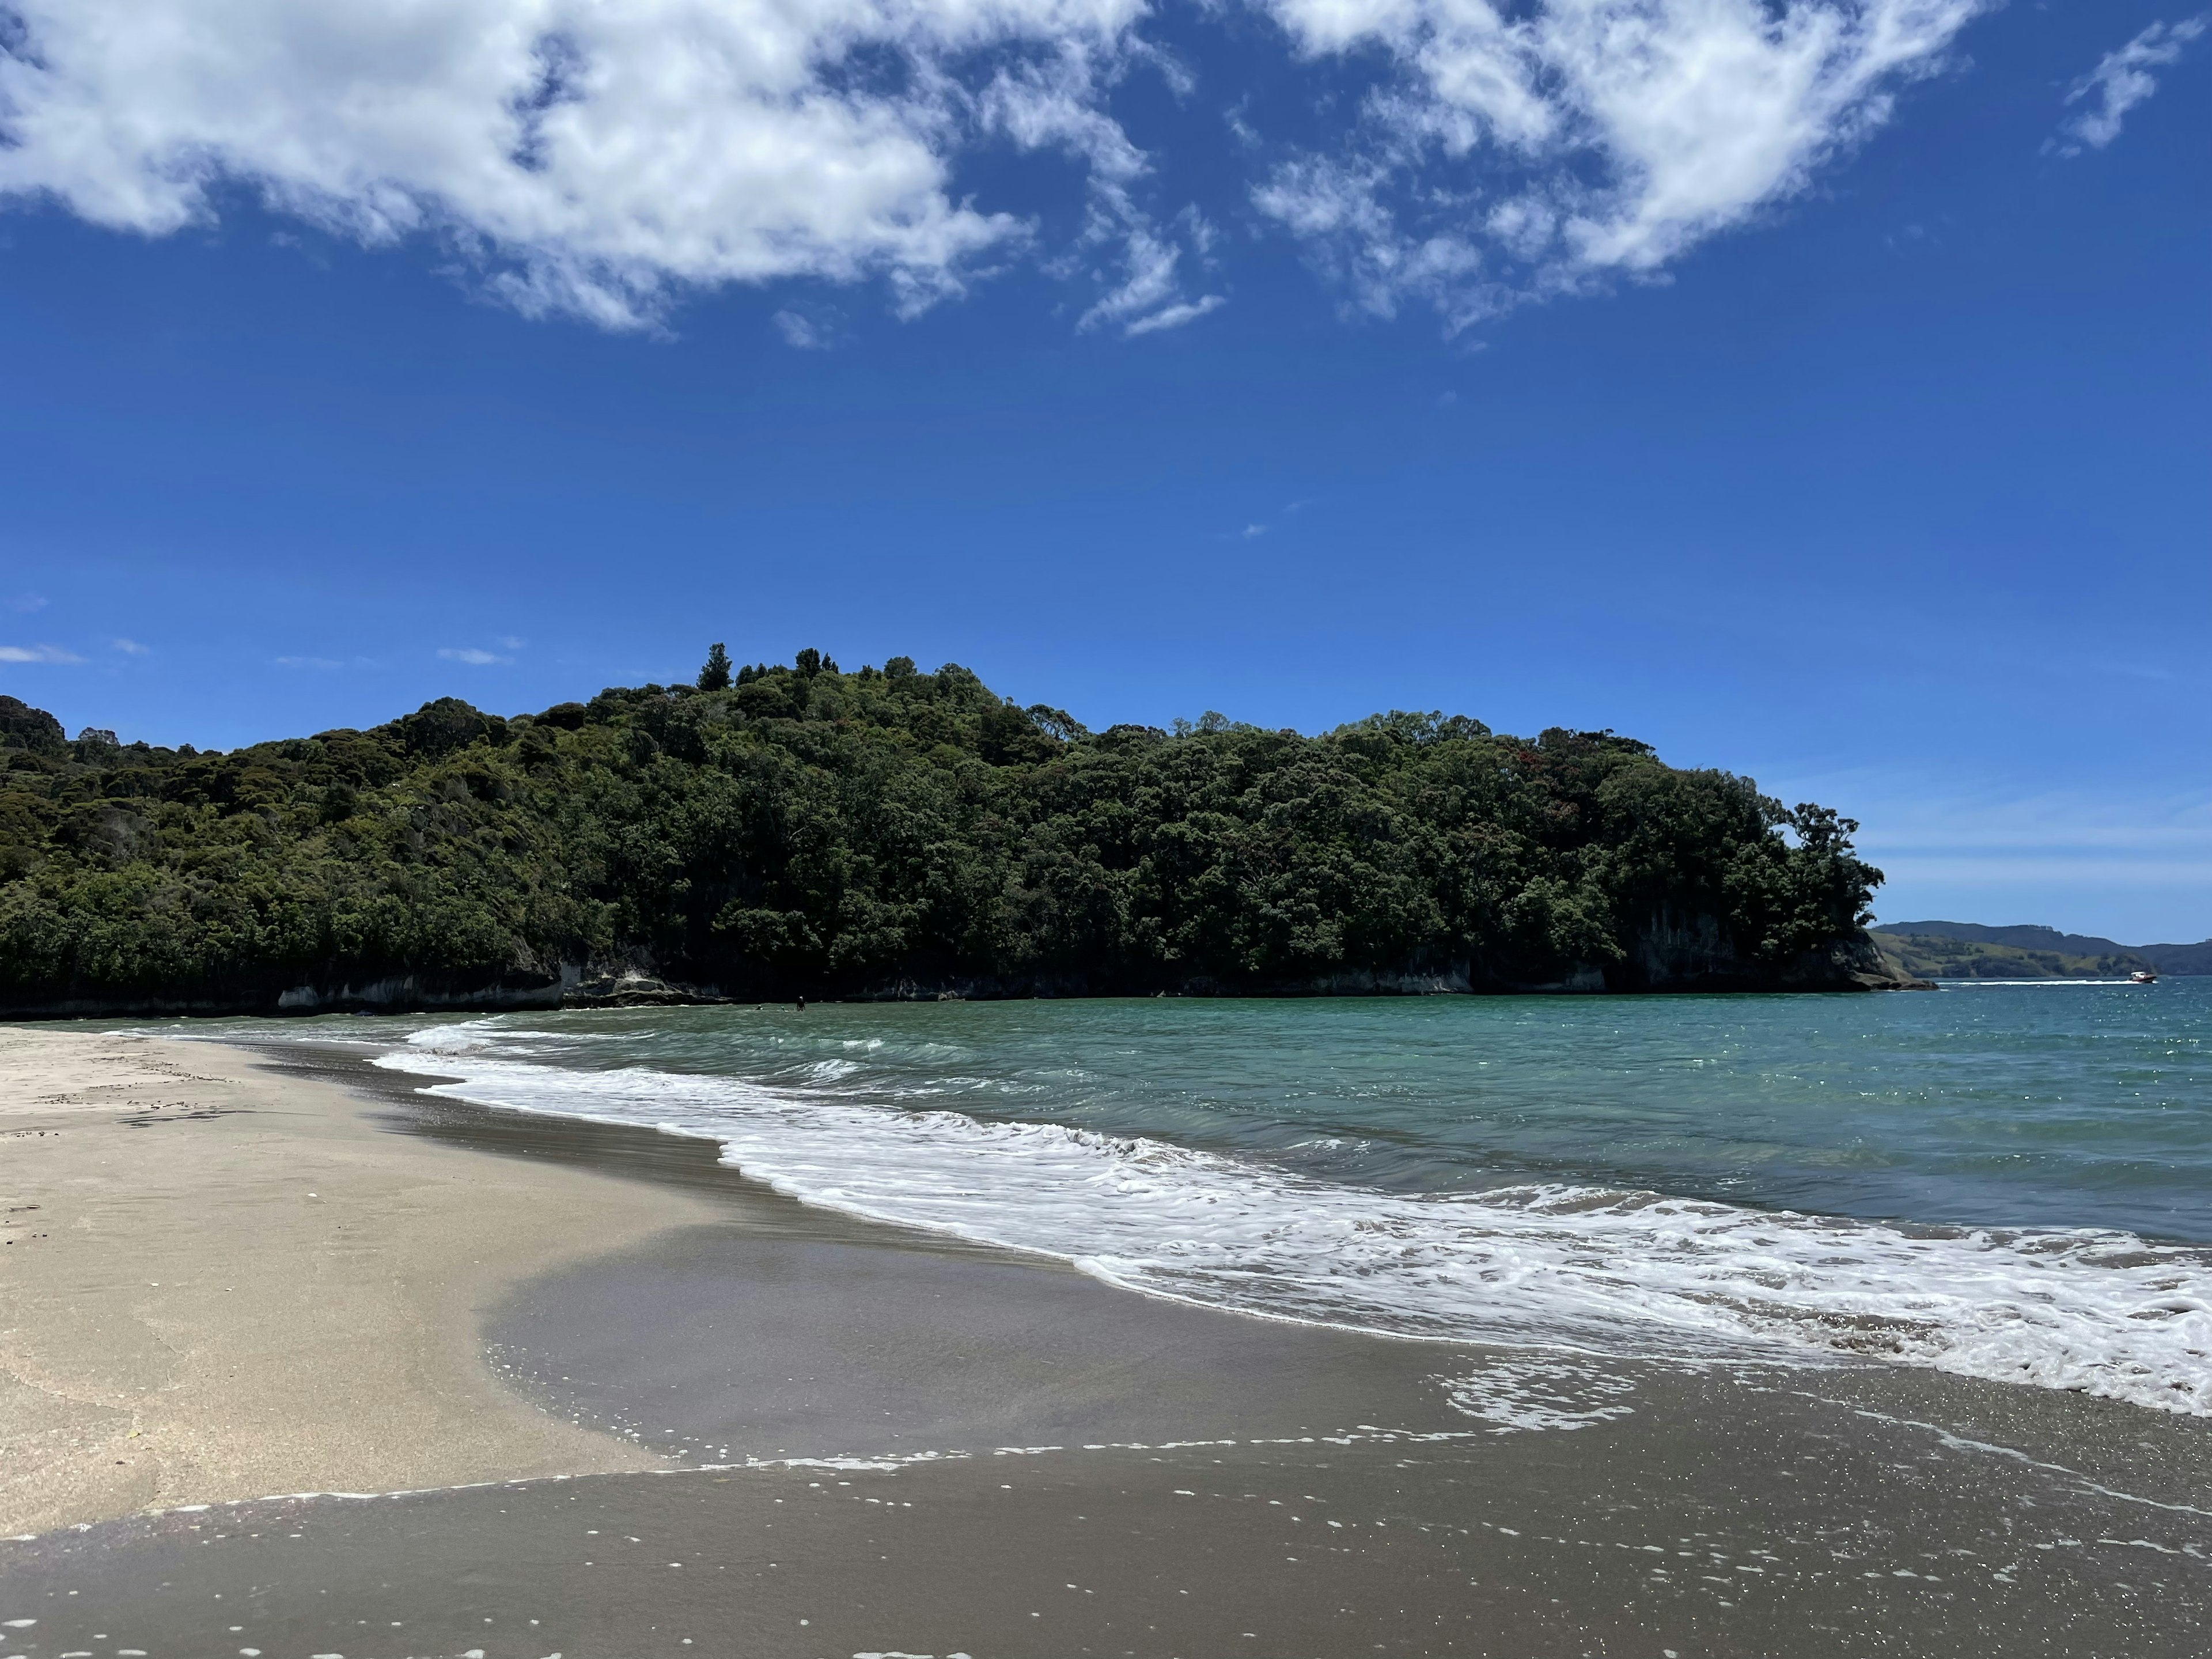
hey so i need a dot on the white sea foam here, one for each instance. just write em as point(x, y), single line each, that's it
point(1551, 1393)
point(1633, 1273)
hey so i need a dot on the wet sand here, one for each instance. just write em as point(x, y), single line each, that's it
point(1017, 1460)
point(1786, 1531)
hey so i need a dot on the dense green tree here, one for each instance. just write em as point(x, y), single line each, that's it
point(715, 676)
point(896, 832)
point(22, 726)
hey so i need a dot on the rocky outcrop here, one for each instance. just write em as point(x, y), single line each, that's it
point(1851, 964)
point(631, 987)
point(1674, 951)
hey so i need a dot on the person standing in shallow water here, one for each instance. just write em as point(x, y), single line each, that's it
point(802, 1005)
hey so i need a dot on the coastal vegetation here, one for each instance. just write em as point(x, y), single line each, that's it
point(1966, 949)
point(1931, 956)
point(794, 829)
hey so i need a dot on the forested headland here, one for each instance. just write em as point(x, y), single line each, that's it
point(797, 830)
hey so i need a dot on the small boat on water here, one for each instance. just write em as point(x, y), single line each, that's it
point(2143, 976)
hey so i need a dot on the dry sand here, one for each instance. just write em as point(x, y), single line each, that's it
point(221, 1283)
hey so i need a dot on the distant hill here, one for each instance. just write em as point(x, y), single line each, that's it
point(1932, 955)
point(2180, 958)
point(2028, 952)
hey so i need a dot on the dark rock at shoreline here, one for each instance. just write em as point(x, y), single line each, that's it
point(1673, 961)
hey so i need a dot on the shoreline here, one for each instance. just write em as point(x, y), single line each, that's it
point(222, 1283)
point(1608, 1262)
point(311, 1004)
point(825, 1436)
point(877, 1447)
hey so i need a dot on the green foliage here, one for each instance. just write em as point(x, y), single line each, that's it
point(715, 676)
point(1934, 957)
point(22, 726)
point(803, 829)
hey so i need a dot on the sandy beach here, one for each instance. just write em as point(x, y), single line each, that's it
point(220, 1284)
point(794, 1433)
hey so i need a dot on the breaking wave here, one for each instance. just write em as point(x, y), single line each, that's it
point(1610, 1271)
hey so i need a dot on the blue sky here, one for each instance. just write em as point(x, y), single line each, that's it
point(1845, 423)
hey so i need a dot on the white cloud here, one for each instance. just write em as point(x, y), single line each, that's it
point(1177, 315)
point(1060, 104)
point(2121, 80)
point(27, 603)
point(1149, 296)
point(601, 158)
point(1574, 138)
point(592, 155)
point(132, 648)
point(798, 333)
point(471, 655)
point(37, 653)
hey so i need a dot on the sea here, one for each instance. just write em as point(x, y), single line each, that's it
point(2007, 1180)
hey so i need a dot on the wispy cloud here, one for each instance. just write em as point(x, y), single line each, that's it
point(1944, 816)
point(1252, 532)
point(1060, 103)
point(2120, 81)
point(1536, 149)
point(471, 655)
point(306, 662)
point(24, 604)
point(1175, 316)
point(801, 333)
point(1147, 297)
point(2128, 860)
point(132, 648)
point(37, 653)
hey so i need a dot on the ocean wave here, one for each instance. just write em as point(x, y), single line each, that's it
point(1609, 1271)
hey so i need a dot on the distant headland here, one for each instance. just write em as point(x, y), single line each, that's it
point(797, 830)
point(1966, 949)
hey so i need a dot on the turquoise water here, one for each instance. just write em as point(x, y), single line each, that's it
point(2004, 1181)
point(1991, 1105)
